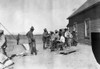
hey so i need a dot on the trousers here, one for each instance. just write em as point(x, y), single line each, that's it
point(33, 48)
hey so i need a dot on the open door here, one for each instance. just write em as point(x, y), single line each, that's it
point(95, 41)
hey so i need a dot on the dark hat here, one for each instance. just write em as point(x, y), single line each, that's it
point(1, 31)
point(56, 31)
point(65, 29)
point(45, 29)
point(32, 28)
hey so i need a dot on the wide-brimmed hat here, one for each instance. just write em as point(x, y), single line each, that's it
point(32, 28)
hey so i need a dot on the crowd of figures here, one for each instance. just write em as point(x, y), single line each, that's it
point(59, 39)
point(5, 60)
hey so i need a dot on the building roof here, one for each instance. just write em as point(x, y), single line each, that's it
point(86, 5)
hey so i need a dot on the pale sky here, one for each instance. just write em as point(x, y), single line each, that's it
point(19, 15)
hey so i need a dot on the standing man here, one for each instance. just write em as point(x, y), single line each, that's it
point(44, 38)
point(68, 37)
point(31, 40)
point(74, 39)
point(18, 38)
point(3, 43)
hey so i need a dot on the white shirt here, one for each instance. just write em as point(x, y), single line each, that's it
point(66, 34)
point(62, 39)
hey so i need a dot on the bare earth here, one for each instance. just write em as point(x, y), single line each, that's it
point(83, 58)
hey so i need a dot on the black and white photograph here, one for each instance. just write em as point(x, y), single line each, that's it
point(49, 34)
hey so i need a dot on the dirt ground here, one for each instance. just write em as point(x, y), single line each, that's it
point(83, 58)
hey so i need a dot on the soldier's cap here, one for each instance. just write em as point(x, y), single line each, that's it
point(65, 29)
point(56, 30)
point(1, 31)
point(45, 29)
point(32, 28)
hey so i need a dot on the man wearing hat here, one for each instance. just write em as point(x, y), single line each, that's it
point(31, 41)
point(3, 42)
point(45, 38)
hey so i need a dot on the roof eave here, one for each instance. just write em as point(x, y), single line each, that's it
point(82, 10)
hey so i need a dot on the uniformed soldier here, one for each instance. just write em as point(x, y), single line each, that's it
point(31, 40)
point(3, 42)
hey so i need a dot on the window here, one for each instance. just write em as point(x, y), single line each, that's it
point(75, 27)
point(87, 33)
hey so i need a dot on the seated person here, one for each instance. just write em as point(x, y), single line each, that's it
point(61, 42)
point(52, 38)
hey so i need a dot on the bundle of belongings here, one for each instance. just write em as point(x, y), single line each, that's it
point(27, 50)
point(21, 50)
point(5, 62)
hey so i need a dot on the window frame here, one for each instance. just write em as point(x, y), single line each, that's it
point(75, 27)
point(87, 28)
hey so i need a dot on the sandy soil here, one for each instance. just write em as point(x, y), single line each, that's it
point(83, 58)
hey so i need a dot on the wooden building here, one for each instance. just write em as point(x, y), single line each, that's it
point(86, 20)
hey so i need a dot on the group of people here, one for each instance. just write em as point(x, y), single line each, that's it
point(54, 40)
point(59, 39)
point(31, 41)
point(5, 60)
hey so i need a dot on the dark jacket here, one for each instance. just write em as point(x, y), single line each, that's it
point(30, 37)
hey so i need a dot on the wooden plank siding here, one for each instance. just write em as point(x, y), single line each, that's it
point(93, 14)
